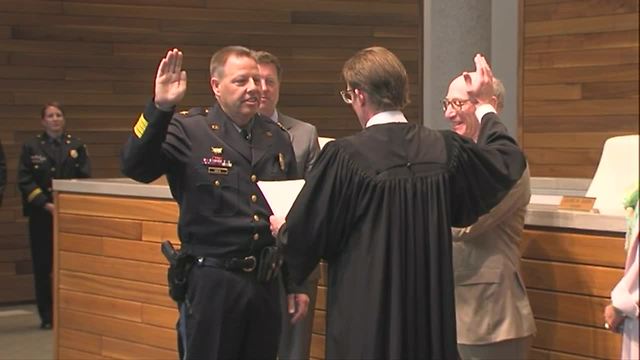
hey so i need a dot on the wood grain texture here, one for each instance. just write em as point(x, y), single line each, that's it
point(584, 341)
point(567, 308)
point(574, 248)
point(579, 75)
point(569, 275)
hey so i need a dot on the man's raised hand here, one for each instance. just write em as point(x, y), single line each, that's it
point(171, 81)
point(479, 83)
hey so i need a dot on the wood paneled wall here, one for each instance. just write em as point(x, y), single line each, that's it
point(569, 276)
point(99, 57)
point(580, 82)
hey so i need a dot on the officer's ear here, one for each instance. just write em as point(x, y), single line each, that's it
point(215, 86)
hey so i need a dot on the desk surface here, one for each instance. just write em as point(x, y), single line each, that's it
point(542, 211)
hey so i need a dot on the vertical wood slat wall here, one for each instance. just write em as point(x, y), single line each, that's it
point(98, 57)
point(580, 82)
point(569, 275)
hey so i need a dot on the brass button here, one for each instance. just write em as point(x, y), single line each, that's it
point(36, 166)
point(216, 183)
point(254, 198)
point(256, 218)
point(256, 236)
point(53, 169)
point(49, 189)
point(254, 178)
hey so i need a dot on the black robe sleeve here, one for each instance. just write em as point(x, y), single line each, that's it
point(331, 181)
point(483, 173)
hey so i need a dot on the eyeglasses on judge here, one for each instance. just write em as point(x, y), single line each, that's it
point(348, 95)
point(456, 104)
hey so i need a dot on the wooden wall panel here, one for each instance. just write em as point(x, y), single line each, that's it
point(569, 276)
point(99, 57)
point(580, 76)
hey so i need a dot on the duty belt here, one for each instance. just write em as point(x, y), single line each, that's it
point(246, 264)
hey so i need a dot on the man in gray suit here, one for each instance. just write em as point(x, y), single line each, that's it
point(295, 339)
point(493, 315)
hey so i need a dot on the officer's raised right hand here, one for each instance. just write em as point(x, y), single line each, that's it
point(171, 81)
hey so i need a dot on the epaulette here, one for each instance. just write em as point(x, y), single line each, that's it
point(199, 110)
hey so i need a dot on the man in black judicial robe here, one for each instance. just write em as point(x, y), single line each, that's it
point(379, 205)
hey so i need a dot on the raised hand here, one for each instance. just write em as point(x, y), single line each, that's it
point(171, 81)
point(479, 83)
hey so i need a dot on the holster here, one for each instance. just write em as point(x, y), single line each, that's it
point(269, 263)
point(180, 264)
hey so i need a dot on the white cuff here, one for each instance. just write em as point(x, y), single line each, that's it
point(484, 109)
point(627, 306)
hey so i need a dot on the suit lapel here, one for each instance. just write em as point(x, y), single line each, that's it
point(221, 124)
point(287, 123)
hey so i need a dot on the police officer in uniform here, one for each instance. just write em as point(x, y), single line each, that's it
point(52, 154)
point(213, 160)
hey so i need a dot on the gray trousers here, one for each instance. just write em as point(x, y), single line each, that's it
point(295, 340)
point(512, 349)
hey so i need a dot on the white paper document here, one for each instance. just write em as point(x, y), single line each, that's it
point(280, 195)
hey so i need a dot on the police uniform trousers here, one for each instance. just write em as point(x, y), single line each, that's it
point(41, 241)
point(229, 315)
point(295, 339)
point(511, 349)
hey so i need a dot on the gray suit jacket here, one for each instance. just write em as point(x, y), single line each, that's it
point(304, 138)
point(491, 299)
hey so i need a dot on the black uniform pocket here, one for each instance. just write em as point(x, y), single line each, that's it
point(220, 194)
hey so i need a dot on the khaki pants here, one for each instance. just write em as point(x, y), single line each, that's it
point(512, 349)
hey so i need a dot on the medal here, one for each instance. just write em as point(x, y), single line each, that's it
point(217, 160)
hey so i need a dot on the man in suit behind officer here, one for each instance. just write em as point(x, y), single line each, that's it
point(295, 339)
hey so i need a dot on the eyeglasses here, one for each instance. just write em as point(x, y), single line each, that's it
point(457, 104)
point(347, 95)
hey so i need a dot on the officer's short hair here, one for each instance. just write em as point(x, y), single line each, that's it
point(379, 73)
point(498, 92)
point(49, 104)
point(265, 57)
point(220, 57)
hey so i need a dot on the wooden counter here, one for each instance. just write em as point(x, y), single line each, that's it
point(110, 278)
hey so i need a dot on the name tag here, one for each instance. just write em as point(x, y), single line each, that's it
point(577, 203)
point(218, 170)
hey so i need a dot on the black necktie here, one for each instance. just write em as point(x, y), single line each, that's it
point(245, 134)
